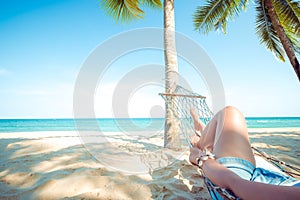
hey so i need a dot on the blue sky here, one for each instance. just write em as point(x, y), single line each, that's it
point(44, 43)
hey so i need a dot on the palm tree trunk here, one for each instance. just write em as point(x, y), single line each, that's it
point(283, 37)
point(171, 135)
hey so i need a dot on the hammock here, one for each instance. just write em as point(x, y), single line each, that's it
point(180, 102)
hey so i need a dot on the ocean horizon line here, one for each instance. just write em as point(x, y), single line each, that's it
point(127, 124)
point(135, 118)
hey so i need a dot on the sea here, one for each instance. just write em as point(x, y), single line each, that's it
point(121, 124)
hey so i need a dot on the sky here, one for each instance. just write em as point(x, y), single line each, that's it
point(45, 43)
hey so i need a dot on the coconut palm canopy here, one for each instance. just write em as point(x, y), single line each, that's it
point(127, 10)
point(277, 23)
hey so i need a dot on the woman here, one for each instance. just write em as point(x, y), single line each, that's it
point(232, 164)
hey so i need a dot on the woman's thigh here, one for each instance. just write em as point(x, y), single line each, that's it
point(231, 139)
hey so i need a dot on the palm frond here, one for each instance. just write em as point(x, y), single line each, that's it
point(122, 10)
point(244, 4)
point(215, 14)
point(152, 3)
point(206, 16)
point(295, 43)
point(266, 32)
point(294, 38)
point(295, 5)
point(288, 13)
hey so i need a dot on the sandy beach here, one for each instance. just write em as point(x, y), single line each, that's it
point(58, 165)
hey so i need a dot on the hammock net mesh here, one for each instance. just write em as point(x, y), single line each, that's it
point(181, 102)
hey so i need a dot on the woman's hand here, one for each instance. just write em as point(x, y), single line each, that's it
point(194, 155)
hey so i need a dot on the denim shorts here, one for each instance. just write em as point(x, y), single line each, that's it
point(248, 171)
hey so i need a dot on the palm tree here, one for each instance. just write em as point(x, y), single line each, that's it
point(127, 10)
point(277, 23)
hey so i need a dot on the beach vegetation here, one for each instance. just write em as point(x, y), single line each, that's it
point(277, 24)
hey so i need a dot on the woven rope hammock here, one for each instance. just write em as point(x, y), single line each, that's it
point(180, 102)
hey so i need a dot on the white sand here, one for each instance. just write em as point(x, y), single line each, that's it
point(283, 143)
point(56, 165)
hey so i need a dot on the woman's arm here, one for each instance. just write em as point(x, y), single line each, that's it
point(254, 190)
point(244, 189)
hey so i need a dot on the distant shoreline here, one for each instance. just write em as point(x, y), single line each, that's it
point(137, 118)
point(71, 132)
point(124, 124)
point(275, 129)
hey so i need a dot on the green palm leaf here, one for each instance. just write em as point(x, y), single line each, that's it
point(127, 10)
point(295, 5)
point(294, 38)
point(266, 32)
point(234, 9)
point(206, 16)
point(288, 13)
point(152, 3)
point(295, 42)
point(215, 14)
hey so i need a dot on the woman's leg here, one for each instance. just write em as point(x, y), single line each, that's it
point(227, 135)
point(198, 125)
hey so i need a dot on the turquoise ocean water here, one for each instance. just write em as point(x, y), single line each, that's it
point(113, 125)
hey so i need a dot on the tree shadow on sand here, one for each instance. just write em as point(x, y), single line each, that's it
point(39, 169)
point(282, 145)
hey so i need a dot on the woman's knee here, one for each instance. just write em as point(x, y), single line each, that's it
point(234, 120)
point(233, 114)
point(228, 110)
point(232, 110)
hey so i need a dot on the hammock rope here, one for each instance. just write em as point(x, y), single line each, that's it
point(180, 102)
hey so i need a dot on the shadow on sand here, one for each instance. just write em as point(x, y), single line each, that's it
point(39, 169)
point(282, 145)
